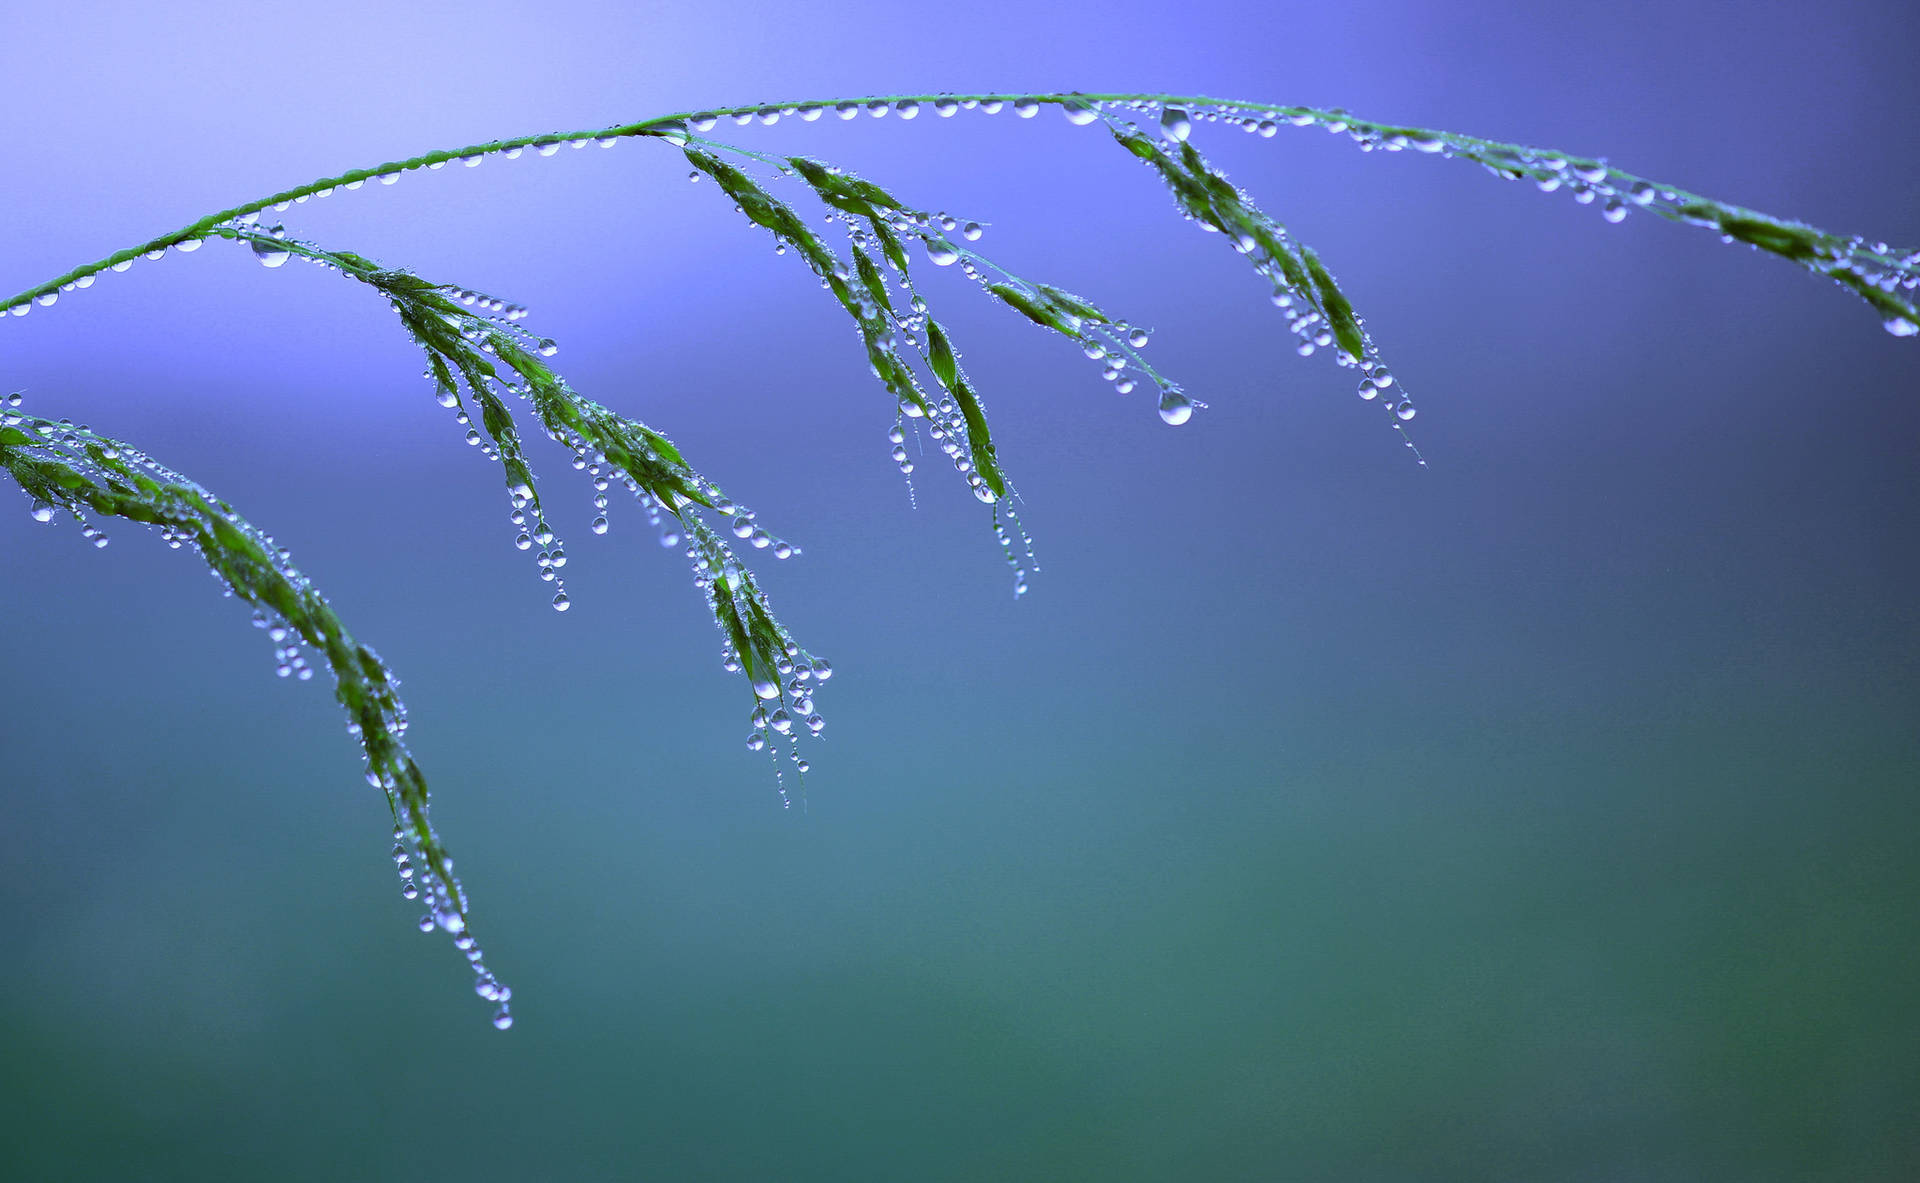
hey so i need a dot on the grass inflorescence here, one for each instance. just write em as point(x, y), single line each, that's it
point(481, 360)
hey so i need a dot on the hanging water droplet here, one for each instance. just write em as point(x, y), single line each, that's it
point(41, 512)
point(906, 108)
point(547, 347)
point(1900, 326)
point(561, 603)
point(765, 687)
point(502, 1019)
point(673, 131)
point(1404, 411)
point(941, 253)
point(1025, 108)
point(1175, 407)
point(269, 252)
point(1078, 113)
point(780, 721)
point(599, 525)
point(1175, 124)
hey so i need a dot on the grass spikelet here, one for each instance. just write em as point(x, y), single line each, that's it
point(64, 467)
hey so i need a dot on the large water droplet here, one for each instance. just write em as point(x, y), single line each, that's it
point(765, 687)
point(270, 253)
point(1175, 407)
point(1079, 114)
point(673, 131)
point(1900, 326)
point(940, 253)
point(1175, 125)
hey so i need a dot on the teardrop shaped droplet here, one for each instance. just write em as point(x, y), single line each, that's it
point(1175, 125)
point(1175, 407)
point(269, 252)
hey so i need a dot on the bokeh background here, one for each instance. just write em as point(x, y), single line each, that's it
point(1547, 814)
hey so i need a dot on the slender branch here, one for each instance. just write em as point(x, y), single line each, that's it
point(1873, 270)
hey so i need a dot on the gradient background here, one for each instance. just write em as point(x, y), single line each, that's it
point(1549, 814)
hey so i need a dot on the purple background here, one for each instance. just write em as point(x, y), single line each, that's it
point(1545, 814)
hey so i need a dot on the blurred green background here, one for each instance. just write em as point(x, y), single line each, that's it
point(1547, 814)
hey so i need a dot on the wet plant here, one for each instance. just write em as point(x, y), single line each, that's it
point(864, 246)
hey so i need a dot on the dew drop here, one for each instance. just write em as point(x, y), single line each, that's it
point(1900, 326)
point(1404, 411)
point(561, 603)
point(1079, 114)
point(502, 1020)
point(1025, 108)
point(764, 687)
point(1175, 125)
point(673, 131)
point(599, 525)
point(1175, 407)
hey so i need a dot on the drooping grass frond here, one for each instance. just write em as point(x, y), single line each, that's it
point(480, 359)
point(61, 466)
point(489, 356)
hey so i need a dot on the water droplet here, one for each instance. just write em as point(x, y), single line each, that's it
point(941, 253)
point(1078, 113)
point(599, 525)
point(1175, 125)
point(1900, 326)
point(780, 721)
point(906, 108)
point(756, 742)
point(821, 670)
point(673, 131)
point(42, 512)
point(1025, 108)
point(1175, 407)
point(502, 1020)
point(547, 347)
point(561, 603)
point(1404, 411)
point(46, 299)
point(765, 687)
